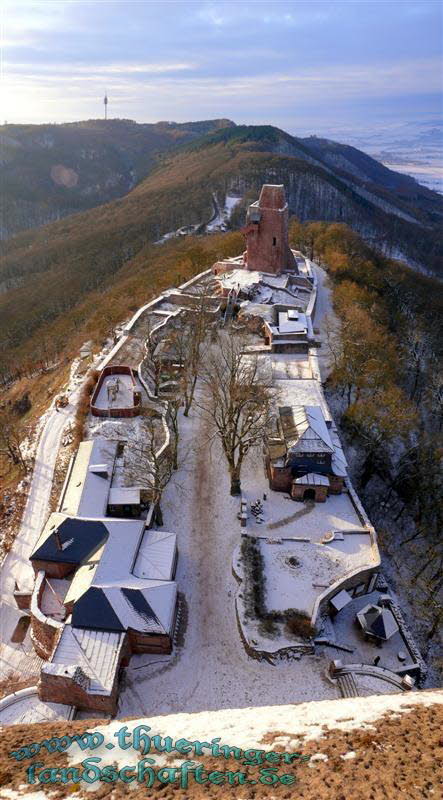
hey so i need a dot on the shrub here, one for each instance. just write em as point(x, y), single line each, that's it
point(267, 627)
point(22, 404)
point(83, 405)
point(298, 623)
point(254, 575)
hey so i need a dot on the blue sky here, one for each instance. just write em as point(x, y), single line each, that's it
point(304, 66)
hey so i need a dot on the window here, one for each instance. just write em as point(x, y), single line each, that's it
point(274, 241)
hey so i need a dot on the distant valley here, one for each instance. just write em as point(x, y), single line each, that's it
point(414, 149)
point(192, 178)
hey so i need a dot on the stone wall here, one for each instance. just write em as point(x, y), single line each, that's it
point(280, 478)
point(129, 411)
point(57, 688)
point(45, 632)
point(267, 240)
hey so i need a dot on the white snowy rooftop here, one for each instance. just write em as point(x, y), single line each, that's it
point(304, 392)
point(156, 555)
point(304, 429)
point(87, 490)
point(290, 322)
point(121, 496)
point(96, 652)
point(313, 479)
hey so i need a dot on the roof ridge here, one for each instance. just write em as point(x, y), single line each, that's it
point(94, 673)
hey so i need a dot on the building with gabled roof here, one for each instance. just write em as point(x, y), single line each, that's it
point(84, 669)
point(89, 480)
point(304, 430)
point(117, 595)
point(304, 455)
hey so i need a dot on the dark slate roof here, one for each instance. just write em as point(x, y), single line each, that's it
point(139, 603)
point(378, 621)
point(79, 539)
point(93, 610)
point(115, 608)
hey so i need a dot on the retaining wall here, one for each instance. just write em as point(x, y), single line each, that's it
point(45, 632)
point(130, 411)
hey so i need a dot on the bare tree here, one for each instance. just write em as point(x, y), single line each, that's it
point(151, 366)
point(151, 461)
point(10, 438)
point(188, 340)
point(236, 400)
point(172, 419)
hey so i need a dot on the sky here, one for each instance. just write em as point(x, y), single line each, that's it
point(307, 67)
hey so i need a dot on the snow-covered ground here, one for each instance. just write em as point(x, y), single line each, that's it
point(209, 668)
point(222, 215)
point(291, 724)
point(124, 397)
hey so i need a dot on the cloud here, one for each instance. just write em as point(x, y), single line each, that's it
point(248, 59)
point(56, 69)
point(170, 95)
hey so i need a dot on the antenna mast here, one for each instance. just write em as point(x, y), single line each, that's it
point(105, 101)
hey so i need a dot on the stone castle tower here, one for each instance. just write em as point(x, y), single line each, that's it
point(266, 232)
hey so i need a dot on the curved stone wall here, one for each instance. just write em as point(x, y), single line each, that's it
point(45, 632)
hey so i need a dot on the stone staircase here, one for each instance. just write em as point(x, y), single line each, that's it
point(347, 685)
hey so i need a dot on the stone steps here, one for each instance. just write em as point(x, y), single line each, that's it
point(347, 685)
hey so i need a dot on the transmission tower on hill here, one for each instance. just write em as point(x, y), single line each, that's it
point(105, 101)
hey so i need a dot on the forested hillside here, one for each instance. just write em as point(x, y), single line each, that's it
point(386, 389)
point(50, 171)
point(47, 273)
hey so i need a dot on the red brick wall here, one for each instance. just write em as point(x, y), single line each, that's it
point(262, 253)
point(149, 643)
point(280, 478)
point(336, 484)
point(321, 492)
point(58, 689)
point(53, 570)
point(132, 411)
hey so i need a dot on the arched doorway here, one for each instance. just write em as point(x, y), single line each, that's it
point(309, 494)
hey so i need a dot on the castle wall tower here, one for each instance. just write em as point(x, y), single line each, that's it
point(266, 232)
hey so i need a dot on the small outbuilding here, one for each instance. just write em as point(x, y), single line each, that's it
point(377, 623)
point(310, 487)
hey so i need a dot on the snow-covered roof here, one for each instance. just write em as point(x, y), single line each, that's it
point(304, 429)
point(83, 578)
point(305, 392)
point(87, 490)
point(313, 479)
point(120, 551)
point(96, 652)
point(124, 579)
point(142, 606)
point(68, 540)
point(120, 496)
point(339, 463)
point(340, 600)
point(156, 555)
point(291, 322)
